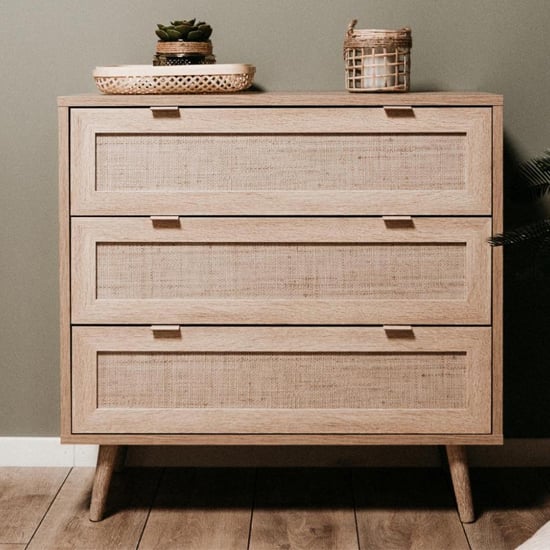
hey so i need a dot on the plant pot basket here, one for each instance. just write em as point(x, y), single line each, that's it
point(377, 60)
point(183, 53)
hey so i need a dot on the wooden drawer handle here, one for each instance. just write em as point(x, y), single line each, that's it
point(165, 221)
point(398, 221)
point(165, 111)
point(398, 331)
point(397, 218)
point(399, 110)
point(166, 331)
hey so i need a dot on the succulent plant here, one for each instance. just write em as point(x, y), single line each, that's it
point(189, 31)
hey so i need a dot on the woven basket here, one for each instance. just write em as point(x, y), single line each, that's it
point(182, 48)
point(184, 79)
point(183, 53)
point(377, 60)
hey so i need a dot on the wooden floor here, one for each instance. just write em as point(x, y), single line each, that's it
point(279, 509)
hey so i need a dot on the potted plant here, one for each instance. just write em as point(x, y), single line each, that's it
point(184, 42)
point(532, 182)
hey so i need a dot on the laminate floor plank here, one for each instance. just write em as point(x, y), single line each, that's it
point(25, 495)
point(406, 508)
point(511, 504)
point(303, 509)
point(201, 509)
point(67, 525)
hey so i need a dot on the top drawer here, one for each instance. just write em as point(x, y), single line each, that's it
point(281, 161)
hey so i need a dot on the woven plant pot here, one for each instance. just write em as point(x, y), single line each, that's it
point(183, 53)
point(377, 60)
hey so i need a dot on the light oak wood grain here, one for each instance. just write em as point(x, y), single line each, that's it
point(107, 459)
point(511, 505)
point(66, 525)
point(406, 508)
point(458, 466)
point(472, 416)
point(469, 213)
point(498, 270)
point(471, 195)
point(64, 271)
point(25, 495)
point(201, 509)
point(396, 508)
point(328, 99)
point(287, 439)
point(469, 304)
point(303, 509)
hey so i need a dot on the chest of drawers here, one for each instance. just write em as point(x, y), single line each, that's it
point(281, 269)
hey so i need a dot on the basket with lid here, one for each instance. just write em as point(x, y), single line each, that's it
point(377, 60)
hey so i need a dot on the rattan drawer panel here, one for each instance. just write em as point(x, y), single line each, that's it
point(187, 163)
point(301, 271)
point(328, 380)
point(281, 381)
point(281, 161)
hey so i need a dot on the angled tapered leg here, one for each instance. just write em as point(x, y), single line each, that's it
point(458, 465)
point(106, 462)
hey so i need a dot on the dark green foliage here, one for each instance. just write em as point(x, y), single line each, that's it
point(535, 230)
point(533, 182)
point(535, 175)
point(184, 30)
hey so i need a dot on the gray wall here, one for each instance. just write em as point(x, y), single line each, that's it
point(50, 48)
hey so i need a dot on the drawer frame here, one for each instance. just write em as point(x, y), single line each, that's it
point(475, 309)
point(475, 199)
point(474, 419)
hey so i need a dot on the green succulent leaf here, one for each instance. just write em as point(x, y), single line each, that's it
point(162, 34)
point(195, 36)
point(173, 34)
point(206, 31)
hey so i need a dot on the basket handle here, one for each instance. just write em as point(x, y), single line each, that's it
point(351, 27)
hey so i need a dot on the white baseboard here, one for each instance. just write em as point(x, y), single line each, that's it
point(48, 451)
point(44, 451)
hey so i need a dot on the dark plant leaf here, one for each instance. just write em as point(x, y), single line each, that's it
point(535, 175)
point(535, 230)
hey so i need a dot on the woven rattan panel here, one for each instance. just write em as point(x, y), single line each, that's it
point(264, 271)
point(295, 381)
point(280, 162)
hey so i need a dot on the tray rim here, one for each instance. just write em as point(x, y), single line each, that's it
point(173, 70)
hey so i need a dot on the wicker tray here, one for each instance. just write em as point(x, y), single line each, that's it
point(180, 79)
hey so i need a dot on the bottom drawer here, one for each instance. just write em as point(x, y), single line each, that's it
point(279, 380)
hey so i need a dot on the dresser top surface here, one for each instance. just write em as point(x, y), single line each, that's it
point(282, 99)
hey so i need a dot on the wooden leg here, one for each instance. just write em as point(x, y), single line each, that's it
point(106, 462)
point(458, 465)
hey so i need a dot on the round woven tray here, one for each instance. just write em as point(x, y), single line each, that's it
point(182, 79)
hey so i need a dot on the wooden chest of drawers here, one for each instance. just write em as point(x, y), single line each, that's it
point(281, 269)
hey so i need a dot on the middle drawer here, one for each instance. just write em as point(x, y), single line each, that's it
point(281, 271)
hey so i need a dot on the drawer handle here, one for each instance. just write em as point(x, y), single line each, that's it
point(398, 221)
point(166, 331)
point(398, 331)
point(165, 221)
point(165, 111)
point(399, 110)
